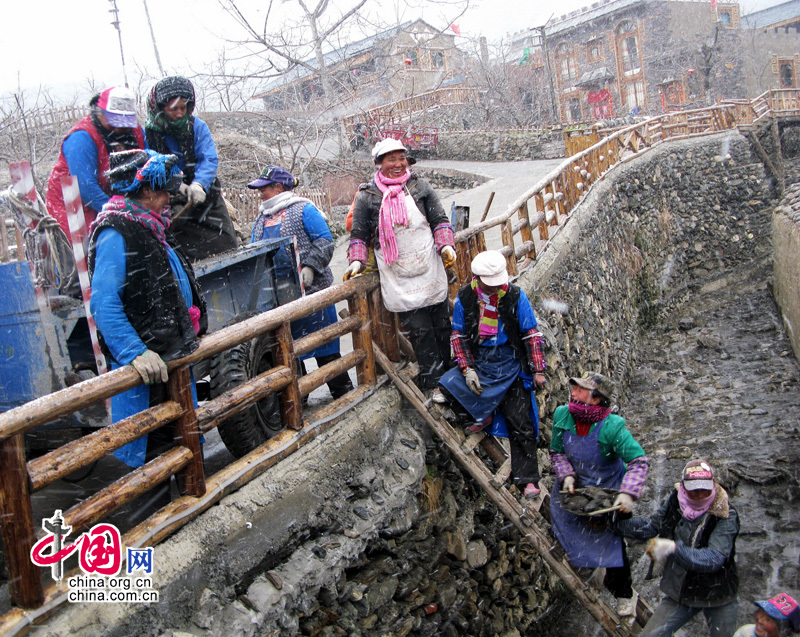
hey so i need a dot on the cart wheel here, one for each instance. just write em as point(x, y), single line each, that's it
point(252, 427)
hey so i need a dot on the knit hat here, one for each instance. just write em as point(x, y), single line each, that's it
point(783, 608)
point(596, 382)
point(131, 169)
point(490, 268)
point(119, 106)
point(274, 175)
point(698, 474)
point(169, 88)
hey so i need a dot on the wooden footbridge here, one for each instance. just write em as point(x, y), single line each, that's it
point(378, 351)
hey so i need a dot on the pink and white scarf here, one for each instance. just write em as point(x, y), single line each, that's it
point(393, 212)
point(693, 509)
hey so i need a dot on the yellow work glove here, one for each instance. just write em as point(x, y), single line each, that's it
point(448, 256)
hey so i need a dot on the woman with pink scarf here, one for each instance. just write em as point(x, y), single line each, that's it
point(399, 215)
point(694, 541)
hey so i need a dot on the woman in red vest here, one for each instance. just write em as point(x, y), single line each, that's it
point(110, 127)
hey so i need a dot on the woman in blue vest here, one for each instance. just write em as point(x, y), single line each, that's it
point(283, 214)
point(145, 299)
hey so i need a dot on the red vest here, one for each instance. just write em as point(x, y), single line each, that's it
point(55, 197)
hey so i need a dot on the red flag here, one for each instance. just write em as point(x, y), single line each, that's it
point(457, 30)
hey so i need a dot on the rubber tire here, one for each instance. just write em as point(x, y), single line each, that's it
point(254, 426)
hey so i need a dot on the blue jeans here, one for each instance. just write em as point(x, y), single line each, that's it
point(669, 616)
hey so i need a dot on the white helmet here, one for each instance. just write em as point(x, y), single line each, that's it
point(384, 147)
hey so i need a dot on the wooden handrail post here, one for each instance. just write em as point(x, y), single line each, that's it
point(16, 524)
point(362, 339)
point(383, 326)
point(192, 479)
point(291, 399)
point(526, 232)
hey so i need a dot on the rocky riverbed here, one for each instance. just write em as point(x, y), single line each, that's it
point(716, 378)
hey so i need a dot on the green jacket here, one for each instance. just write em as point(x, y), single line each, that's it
point(615, 440)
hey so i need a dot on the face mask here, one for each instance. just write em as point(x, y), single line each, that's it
point(587, 414)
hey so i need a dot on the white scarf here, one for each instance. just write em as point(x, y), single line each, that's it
point(279, 202)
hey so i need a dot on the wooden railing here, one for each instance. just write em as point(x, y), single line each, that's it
point(547, 205)
point(368, 322)
point(378, 116)
point(521, 233)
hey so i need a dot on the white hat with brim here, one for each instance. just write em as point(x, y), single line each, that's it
point(386, 146)
point(490, 268)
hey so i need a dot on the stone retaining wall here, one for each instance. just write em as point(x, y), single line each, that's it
point(786, 247)
point(637, 244)
point(373, 529)
point(499, 145)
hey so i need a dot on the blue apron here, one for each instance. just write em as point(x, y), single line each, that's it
point(497, 368)
point(586, 547)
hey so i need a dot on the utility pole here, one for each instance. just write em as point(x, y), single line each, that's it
point(548, 70)
point(153, 38)
point(115, 24)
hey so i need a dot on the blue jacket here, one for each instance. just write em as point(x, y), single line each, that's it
point(205, 152)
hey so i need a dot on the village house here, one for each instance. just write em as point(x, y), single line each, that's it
point(405, 60)
point(621, 57)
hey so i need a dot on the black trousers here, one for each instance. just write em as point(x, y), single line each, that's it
point(515, 407)
point(429, 332)
point(338, 385)
point(618, 579)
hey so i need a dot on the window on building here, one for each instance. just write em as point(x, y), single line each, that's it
point(411, 58)
point(725, 17)
point(633, 98)
point(565, 63)
point(786, 74)
point(437, 59)
point(594, 51)
point(628, 48)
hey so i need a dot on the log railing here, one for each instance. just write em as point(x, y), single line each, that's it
point(523, 230)
point(368, 322)
point(521, 233)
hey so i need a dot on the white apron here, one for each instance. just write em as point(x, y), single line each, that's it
point(417, 278)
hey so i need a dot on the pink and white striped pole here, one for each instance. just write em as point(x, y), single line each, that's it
point(79, 233)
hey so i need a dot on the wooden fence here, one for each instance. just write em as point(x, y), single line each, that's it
point(523, 231)
point(378, 116)
point(247, 201)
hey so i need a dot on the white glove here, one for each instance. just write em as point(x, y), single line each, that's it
point(307, 274)
point(448, 256)
point(184, 190)
point(625, 502)
point(474, 384)
point(354, 270)
point(150, 367)
point(658, 549)
point(568, 484)
point(196, 194)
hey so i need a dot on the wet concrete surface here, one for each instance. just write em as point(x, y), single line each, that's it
point(716, 378)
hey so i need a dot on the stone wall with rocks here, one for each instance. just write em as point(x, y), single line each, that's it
point(786, 246)
point(499, 145)
point(638, 243)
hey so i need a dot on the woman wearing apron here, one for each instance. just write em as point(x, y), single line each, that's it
point(590, 446)
point(399, 215)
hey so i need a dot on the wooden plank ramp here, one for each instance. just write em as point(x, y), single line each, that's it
point(527, 519)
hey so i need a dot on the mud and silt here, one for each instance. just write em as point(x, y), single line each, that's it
point(716, 378)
